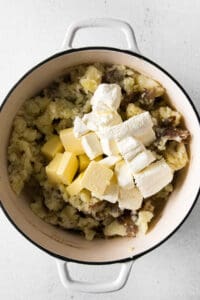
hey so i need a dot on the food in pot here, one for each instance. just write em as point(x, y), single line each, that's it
point(99, 147)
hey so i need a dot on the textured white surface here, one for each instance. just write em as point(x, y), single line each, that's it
point(167, 31)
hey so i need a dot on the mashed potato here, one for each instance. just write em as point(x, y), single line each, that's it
point(54, 109)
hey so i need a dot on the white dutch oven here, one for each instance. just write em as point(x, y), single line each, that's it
point(66, 246)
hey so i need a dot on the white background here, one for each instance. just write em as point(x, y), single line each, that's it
point(167, 32)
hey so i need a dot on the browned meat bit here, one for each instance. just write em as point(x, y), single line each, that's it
point(132, 98)
point(103, 209)
point(176, 134)
point(113, 76)
point(169, 121)
point(148, 205)
point(170, 134)
point(147, 99)
point(127, 221)
point(173, 134)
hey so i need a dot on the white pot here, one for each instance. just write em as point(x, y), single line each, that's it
point(66, 246)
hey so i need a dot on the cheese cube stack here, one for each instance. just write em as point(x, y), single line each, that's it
point(62, 168)
point(70, 142)
point(52, 146)
point(102, 132)
point(96, 177)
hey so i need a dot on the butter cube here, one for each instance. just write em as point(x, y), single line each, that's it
point(96, 177)
point(52, 167)
point(70, 142)
point(91, 145)
point(67, 168)
point(76, 186)
point(52, 146)
point(83, 162)
point(111, 193)
point(98, 158)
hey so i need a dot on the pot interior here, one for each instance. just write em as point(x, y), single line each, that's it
point(70, 245)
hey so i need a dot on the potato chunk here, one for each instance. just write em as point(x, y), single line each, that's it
point(176, 155)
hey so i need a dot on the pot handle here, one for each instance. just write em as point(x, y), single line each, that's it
point(94, 287)
point(123, 26)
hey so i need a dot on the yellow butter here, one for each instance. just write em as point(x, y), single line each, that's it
point(83, 162)
point(70, 142)
point(67, 168)
point(100, 157)
point(76, 186)
point(96, 177)
point(52, 146)
point(51, 168)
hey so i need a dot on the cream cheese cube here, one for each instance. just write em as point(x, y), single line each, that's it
point(96, 178)
point(107, 118)
point(139, 127)
point(109, 147)
point(141, 161)
point(80, 127)
point(95, 121)
point(153, 178)
point(107, 94)
point(91, 145)
point(129, 147)
point(90, 120)
point(130, 198)
point(124, 176)
point(110, 161)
